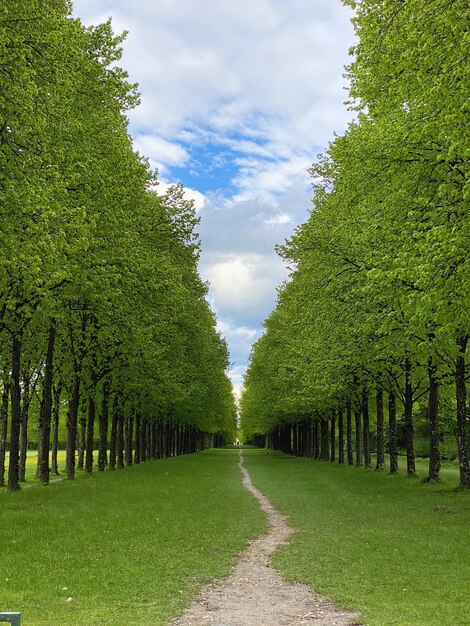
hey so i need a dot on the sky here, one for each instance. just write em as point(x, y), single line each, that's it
point(237, 99)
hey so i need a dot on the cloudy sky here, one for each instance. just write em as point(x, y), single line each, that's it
point(238, 96)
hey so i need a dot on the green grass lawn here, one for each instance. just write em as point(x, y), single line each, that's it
point(389, 546)
point(128, 547)
point(31, 463)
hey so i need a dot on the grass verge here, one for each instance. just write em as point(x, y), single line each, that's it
point(124, 548)
point(389, 546)
point(31, 464)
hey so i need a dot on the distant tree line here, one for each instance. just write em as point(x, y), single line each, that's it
point(104, 323)
point(373, 326)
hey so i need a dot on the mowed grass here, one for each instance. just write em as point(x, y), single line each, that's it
point(389, 546)
point(31, 464)
point(124, 548)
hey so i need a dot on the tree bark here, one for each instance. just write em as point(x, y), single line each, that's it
point(164, 433)
point(55, 428)
point(113, 439)
point(316, 433)
point(358, 424)
point(340, 436)
point(71, 426)
point(129, 439)
point(120, 442)
point(74, 402)
point(45, 416)
point(82, 437)
point(15, 398)
point(159, 451)
point(4, 425)
point(409, 427)
point(333, 438)
point(392, 432)
point(349, 445)
point(380, 428)
point(154, 439)
point(325, 452)
point(143, 440)
point(138, 439)
point(25, 402)
point(90, 433)
point(461, 398)
point(433, 420)
point(103, 428)
point(366, 427)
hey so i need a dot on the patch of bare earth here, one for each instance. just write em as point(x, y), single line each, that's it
point(255, 594)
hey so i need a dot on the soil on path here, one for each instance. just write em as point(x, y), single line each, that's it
point(255, 594)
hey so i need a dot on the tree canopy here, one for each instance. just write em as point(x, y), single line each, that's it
point(379, 290)
point(103, 315)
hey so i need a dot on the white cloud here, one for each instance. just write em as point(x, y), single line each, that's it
point(270, 69)
point(236, 376)
point(240, 332)
point(260, 84)
point(279, 219)
point(267, 179)
point(242, 284)
point(160, 152)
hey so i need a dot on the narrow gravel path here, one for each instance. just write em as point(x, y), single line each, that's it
point(255, 595)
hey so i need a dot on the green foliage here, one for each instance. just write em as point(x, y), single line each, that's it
point(87, 245)
point(379, 288)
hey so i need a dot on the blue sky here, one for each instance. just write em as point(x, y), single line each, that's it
point(238, 98)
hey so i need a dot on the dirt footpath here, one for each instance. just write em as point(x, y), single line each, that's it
point(255, 594)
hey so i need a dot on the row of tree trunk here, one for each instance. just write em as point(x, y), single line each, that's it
point(346, 436)
point(107, 440)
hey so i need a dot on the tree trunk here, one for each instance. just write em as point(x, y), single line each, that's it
point(148, 440)
point(333, 438)
point(138, 439)
point(358, 422)
point(25, 402)
point(120, 441)
point(15, 397)
point(158, 446)
point(409, 427)
point(349, 445)
point(90, 433)
point(71, 426)
point(340, 436)
point(316, 433)
point(55, 428)
point(392, 432)
point(311, 442)
point(4, 425)
point(129, 439)
point(113, 439)
point(82, 438)
point(174, 439)
point(325, 452)
point(433, 420)
point(380, 428)
point(461, 397)
point(143, 440)
point(164, 433)
point(74, 402)
point(294, 438)
point(45, 415)
point(153, 440)
point(103, 428)
point(366, 428)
